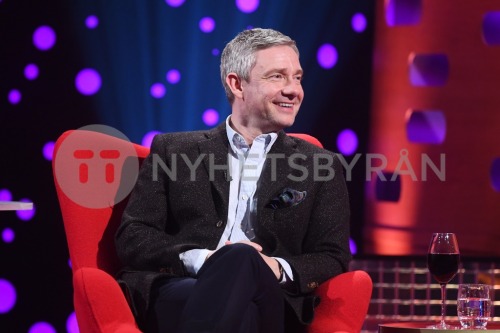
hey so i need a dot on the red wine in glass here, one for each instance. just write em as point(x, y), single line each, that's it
point(443, 266)
point(443, 259)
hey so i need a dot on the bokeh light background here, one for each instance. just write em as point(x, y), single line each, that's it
point(145, 68)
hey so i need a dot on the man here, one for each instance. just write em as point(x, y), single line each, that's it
point(232, 229)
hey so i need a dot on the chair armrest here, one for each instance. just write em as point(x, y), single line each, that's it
point(100, 305)
point(344, 303)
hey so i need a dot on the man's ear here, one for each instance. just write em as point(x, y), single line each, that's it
point(234, 83)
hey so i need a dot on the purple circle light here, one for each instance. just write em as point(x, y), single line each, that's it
point(92, 22)
point(173, 76)
point(174, 3)
point(88, 81)
point(14, 96)
point(31, 71)
point(347, 142)
point(352, 246)
point(495, 174)
point(247, 6)
point(327, 56)
point(5, 195)
point(215, 52)
point(358, 22)
point(7, 296)
point(26, 215)
point(44, 38)
point(72, 324)
point(157, 90)
point(42, 327)
point(207, 24)
point(210, 117)
point(8, 235)
point(48, 150)
point(147, 139)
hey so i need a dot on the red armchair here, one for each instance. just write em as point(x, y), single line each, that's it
point(89, 165)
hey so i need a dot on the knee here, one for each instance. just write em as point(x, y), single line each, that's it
point(238, 254)
point(242, 248)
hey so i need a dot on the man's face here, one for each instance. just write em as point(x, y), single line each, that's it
point(273, 93)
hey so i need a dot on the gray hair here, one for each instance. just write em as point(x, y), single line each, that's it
point(239, 54)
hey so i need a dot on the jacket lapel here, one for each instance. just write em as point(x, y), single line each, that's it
point(215, 150)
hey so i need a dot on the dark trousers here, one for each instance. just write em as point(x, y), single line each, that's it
point(235, 291)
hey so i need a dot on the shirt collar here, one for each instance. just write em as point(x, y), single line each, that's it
point(238, 143)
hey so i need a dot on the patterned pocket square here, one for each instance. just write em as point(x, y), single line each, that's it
point(287, 198)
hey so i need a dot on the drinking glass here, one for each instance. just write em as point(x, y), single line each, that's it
point(443, 259)
point(474, 305)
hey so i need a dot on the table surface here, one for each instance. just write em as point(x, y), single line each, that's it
point(421, 327)
point(15, 205)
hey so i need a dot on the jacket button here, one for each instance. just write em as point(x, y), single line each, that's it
point(312, 285)
point(219, 224)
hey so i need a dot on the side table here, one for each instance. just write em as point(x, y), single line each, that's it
point(421, 327)
point(15, 205)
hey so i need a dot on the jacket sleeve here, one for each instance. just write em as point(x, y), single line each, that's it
point(142, 242)
point(325, 248)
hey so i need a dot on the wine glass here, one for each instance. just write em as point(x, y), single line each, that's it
point(443, 259)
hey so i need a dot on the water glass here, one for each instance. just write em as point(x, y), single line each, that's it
point(474, 305)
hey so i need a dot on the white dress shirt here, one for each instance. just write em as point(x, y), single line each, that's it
point(245, 166)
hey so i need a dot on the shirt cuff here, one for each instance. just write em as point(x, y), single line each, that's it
point(194, 259)
point(286, 267)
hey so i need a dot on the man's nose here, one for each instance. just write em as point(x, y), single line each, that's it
point(292, 88)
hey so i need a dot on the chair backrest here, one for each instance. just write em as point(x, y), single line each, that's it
point(307, 137)
point(88, 167)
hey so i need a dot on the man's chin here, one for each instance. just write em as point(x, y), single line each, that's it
point(284, 124)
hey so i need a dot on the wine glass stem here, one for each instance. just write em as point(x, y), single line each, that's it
point(443, 303)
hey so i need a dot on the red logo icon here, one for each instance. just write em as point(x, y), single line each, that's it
point(96, 166)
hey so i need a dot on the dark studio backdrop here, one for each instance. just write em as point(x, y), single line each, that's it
point(143, 66)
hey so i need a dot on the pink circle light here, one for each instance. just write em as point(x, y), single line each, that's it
point(88, 81)
point(72, 324)
point(26, 215)
point(14, 96)
point(358, 22)
point(8, 296)
point(173, 76)
point(210, 117)
point(352, 246)
point(48, 150)
point(207, 24)
point(44, 38)
point(347, 142)
point(92, 22)
point(147, 139)
point(247, 6)
point(174, 3)
point(327, 56)
point(31, 71)
point(5, 195)
point(42, 327)
point(8, 235)
point(157, 90)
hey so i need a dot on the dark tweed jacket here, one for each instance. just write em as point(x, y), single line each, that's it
point(174, 208)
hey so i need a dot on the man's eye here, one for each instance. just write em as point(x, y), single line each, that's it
point(276, 76)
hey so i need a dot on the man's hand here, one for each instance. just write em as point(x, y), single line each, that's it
point(271, 262)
